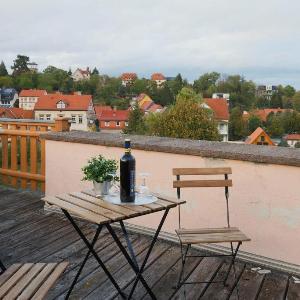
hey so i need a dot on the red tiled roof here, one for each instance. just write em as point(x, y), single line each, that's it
point(293, 136)
point(114, 115)
point(128, 76)
point(219, 107)
point(73, 102)
point(263, 113)
point(157, 76)
point(255, 134)
point(154, 107)
point(32, 93)
point(146, 105)
point(100, 108)
point(16, 113)
point(84, 72)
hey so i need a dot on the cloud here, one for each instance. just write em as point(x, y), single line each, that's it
point(259, 39)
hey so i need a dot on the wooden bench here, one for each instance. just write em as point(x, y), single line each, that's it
point(30, 280)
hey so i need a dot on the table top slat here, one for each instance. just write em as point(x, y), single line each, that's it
point(155, 206)
point(92, 207)
point(79, 211)
point(169, 198)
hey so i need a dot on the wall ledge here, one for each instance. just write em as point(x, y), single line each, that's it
point(219, 150)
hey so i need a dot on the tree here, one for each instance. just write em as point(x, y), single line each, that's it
point(176, 84)
point(6, 81)
point(297, 145)
point(206, 84)
point(95, 71)
point(253, 122)
point(276, 100)
point(186, 119)
point(3, 70)
point(20, 65)
point(296, 101)
point(275, 128)
point(70, 72)
point(289, 91)
point(136, 123)
point(237, 128)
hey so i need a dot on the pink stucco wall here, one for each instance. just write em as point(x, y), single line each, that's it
point(264, 200)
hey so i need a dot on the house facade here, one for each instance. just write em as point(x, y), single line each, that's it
point(28, 98)
point(113, 119)
point(221, 115)
point(158, 78)
point(292, 139)
point(80, 74)
point(128, 78)
point(221, 96)
point(8, 97)
point(266, 91)
point(259, 137)
point(79, 108)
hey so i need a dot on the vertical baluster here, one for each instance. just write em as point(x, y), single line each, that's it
point(13, 156)
point(4, 140)
point(43, 162)
point(33, 157)
point(24, 164)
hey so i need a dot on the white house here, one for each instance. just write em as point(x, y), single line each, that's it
point(292, 139)
point(159, 79)
point(80, 74)
point(28, 98)
point(221, 96)
point(128, 78)
point(79, 108)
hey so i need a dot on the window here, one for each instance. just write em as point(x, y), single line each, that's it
point(48, 117)
point(126, 123)
point(61, 104)
point(73, 119)
point(262, 138)
point(41, 117)
point(80, 119)
point(61, 115)
point(106, 124)
point(118, 123)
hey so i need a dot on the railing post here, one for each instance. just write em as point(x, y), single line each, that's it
point(62, 124)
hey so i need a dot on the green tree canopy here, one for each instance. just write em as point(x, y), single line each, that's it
point(3, 70)
point(206, 84)
point(136, 122)
point(296, 101)
point(253, 122)
point(237, 126)
point(20, 65)
point(95, 71)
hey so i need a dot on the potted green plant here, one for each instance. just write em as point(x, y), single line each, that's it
point(102, 172)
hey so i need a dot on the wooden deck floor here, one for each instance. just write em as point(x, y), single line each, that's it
point(28, 235)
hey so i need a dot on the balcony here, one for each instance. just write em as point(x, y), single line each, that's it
point(264, 203)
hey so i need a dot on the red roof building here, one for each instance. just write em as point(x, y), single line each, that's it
point(292, 139)
point(32, 93)
point(80, 74)
point(128, 78)
point(264, 113)
point(113, 119)
point(158, 78)
point(28, 98)
point(16, 113)
point(259, 137)
point(219, 108)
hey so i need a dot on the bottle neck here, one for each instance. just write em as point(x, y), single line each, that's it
point(127, 151)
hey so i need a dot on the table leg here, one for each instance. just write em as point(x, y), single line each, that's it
point(2, 267)
point(91, 250)
point(136, 269)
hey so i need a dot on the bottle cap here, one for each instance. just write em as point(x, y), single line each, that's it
point(127, 143)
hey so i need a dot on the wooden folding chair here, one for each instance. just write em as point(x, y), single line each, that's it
point(29, 281)
point(188, 237)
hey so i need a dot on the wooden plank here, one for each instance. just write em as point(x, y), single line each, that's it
point(24, 281)
point(13, 157)
point(4, 141)
point(43, 158)
point(23, 156)
point(14, 132)
point(201, 171)
point(82, 212)
point(33, 158)
point(274, 287)
point(182, 231)
point(12, 281)
point(167, 198)
point(30, 290)
point(9, 273)
point(116, 208)
point(49, 282)
point(201, 183)
point(248, 286)
point(19, 174)
point(109, 214)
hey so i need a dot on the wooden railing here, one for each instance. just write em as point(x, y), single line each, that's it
point(23, 151)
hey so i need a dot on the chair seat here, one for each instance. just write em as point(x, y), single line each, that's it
point(29, 281)
point(211, 235)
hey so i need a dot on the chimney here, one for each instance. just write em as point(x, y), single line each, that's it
point(77, 93)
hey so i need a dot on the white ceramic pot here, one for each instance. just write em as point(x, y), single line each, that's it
point(102, 188)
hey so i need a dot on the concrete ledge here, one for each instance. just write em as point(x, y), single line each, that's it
point(220, 150)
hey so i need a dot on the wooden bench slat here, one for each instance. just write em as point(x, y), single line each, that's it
point(49, 282)
point(79, 211)
point(24, 281)
point(202, 171)
point(36, 283)
point(9, 272)
point(201, 183)
point(92, 207)
point(116, 208)
point(12, 281)
point(206, 230)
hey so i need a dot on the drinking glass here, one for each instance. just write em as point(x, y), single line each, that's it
point(143, 188)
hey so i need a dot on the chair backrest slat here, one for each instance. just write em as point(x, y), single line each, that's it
point(201, 183)
point(201, 171)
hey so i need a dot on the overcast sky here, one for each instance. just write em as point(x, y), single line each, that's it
point(259, 39)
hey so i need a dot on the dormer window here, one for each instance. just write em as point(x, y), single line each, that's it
point(61, 104)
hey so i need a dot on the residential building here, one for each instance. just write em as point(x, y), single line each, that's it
point(79, 108)
point(8, 97)
point(259, 137)
point(113, 119)
point(221, 114)
point(80, 74)
point(128, 78)
point(16, 113)
point(33, 67)
point(146, 104)
point(28, 98)
point(264, 113)
point(292, 139)
point(266, 91)
point(221, 96)
point(158, 78)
